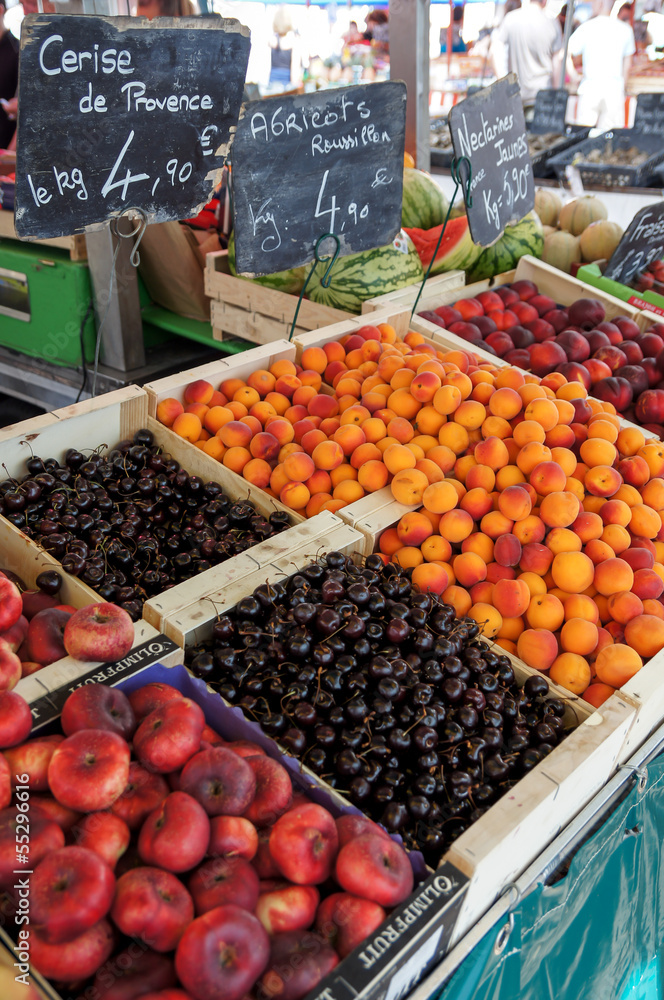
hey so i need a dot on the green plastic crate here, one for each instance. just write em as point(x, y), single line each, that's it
point(650, 301)
point(44, 298)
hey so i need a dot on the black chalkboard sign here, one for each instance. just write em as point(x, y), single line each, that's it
point(642, 243)
point(649, 114)
point(321, 163)
point(123, 112)
point(550, 112)
point(489, 129)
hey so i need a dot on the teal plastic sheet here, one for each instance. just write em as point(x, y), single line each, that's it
point(597, 933)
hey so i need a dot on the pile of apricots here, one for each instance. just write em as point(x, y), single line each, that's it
point(538, 515)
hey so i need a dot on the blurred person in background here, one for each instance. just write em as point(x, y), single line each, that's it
point(526, 43)
point(353, 36)
point(8, 82)
point(284, 60)
point(601, 50)
point(165, 8)
point(458, 44)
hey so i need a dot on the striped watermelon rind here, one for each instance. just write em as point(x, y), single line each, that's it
point(526, 237)
point(362, 276)
point(424, 204)
point(291, 281)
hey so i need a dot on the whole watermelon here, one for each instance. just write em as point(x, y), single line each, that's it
point(362, 276)
point(526, 237)
point(282, 281)
point(424, 204)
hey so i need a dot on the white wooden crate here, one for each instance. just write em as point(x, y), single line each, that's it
point(246, 309)
point(405, 297)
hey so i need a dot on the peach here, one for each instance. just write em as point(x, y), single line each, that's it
point(639, 558)
point(515, 503)
point(579, 636)
point(482, 593)
point(469, 569)
point(488, 618)
point(588, 526)
point(481, 544)
point(494, 524)
point(199, 391)
point(236, 458)
point(430, 576)
point(616, 664)
point(496, 572)
point(167, 411)
point(414, 528)
point(317, 358)
point(536, 558)
point(617, 537)
point(571, 671)
point(266, 446)
point(257, 472)
point(624, 606)
point(492, 452)
point(545, 611)
point(478, 476)
point(235, 434)
point(459, 599)
point(634, 470)
point(477, 502)
point(613, 576)
point(651, 607)
point(511, 598)
point(439, 497)
point(505, 402)
point(436, 549)
point(507, 550)
point(573, 572)
point(602, 481)
point(645, 634)
point(530, 529)
point(548, 477)
point(398, 457)
point(536, 584)
point(299, 467)
point(537, 647)
point(559, 510)
point(295, 495)
point(372, 476)
point(645, 522)
point(327, 455)
point(648, 584)
point(653, 494)
point(188, 426)
point(323, 406)
point(424, 386)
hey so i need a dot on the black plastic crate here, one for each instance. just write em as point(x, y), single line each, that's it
point(606, 175)
point(574, 134)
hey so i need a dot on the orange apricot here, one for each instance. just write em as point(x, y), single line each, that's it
point(537, 647)
point(257, 472)
point(613, 576)
point(571, 671)
point(578, 636)
point(327, 455)
point(545, 611)
point(188, 426)
point(617, 663)
point(439, 497)
point(645, 634)
point(168, 410)
point(430, 576)
point(199, 391)
point(469, 569)
point(488, 618)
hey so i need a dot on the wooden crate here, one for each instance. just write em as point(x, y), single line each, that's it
point(405, 298)
point(373, 514)
point(501, 844)
point(313, 534)
point(108, 419)
point(245, 309)
point(194, 623)
point(234, 366)
point(10, 959)
point(76, 245)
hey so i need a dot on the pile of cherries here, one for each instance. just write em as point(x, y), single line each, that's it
point(130, 522)
point(384, 694)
